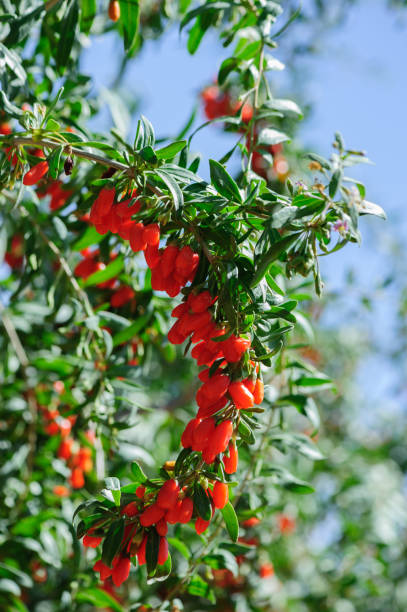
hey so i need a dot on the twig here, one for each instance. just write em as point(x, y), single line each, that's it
point(32, 404)
point(104, 161)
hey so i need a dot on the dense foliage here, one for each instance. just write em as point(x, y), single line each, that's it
point(121, 263)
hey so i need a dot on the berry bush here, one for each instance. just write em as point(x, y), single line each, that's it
point(128, 467)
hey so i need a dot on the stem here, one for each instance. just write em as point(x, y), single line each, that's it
point(32, 404)
point(104, 161)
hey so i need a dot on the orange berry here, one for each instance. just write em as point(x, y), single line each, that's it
point(114, 10)
point(220, 494)
point(36, 173)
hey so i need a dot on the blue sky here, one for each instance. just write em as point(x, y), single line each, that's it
point(356, 84)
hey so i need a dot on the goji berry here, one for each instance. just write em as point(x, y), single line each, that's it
point(220, 494)
point(168, 494)
point(36, 173)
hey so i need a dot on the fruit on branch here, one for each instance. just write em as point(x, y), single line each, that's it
point(36, 173)
point(114, 10)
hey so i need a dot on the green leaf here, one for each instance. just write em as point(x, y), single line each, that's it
point(231, 522)
point(305, 406)
point(285, 479)
point(223, 182)
point(173, 188)
point(198, 587)
point(286, 106)
point(89, 236)
point(204, 7)
point(113, 485)
point(138, 472)
point(226, 67)
point(334, 183)
point(111, 270)
point(129, 20)
point(196, 34)
point(67, 33)
point(98, 598)
point(319, 159)
point(112, 541)
point(369, 208)
point(9, 108)
point(180, 546)
point(273, 253)
point(170, 150)
point(299, 442)
point(129, 332)
point(153, 543)
point(202, 503)
point(53, 161)
point(88, 13)
point(269, 136)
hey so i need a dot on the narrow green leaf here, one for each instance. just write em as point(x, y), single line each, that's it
point(53, 161)
point(98, 598)
point(275, 250)
point(269, 136)
point(88, 13)
point(111, 270)
point(231, 522)
point(138, 472)
point(129, 332)
point(153, 543)
point(112, 541)
point(173, 188)
point(202, 503)
point(67, 33)
point(129, 20)
point(170, 150)
point(223, 182)
point(334, 183)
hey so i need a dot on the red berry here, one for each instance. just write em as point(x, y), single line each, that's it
point(137, 241)
point(201, 525)
point(77, 480)
point(36, 173)
point(122, 296)
point(168, 494)
point(233, 348)
point(241, 395)
point(258, 393)
point(208, 411)
point(202, 434)
point(103, 569)
point(172, 516)
point(152, 256)
point(168, 260)
point(151, 234)
point(141, 553)
point(151, 515)
point(140, 492)
point(230, 462)
point(187, 436)
point(220, 494)
point(221, 437)
point(162, 551)
point(91, 541)
point(215, 387)
point(121, 571)
point(104, 202)
point(186, 510)
point(201, 302)
point(162, 527)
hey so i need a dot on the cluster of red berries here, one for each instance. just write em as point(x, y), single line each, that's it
point(172, 504)
point(79, 458)
point(122, 294)
point(203, 434)
point(171, 268)
point(59, 195)
point(219, 104)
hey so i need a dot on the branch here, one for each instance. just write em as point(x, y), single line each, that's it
point(51, 144)
point(32, 404)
